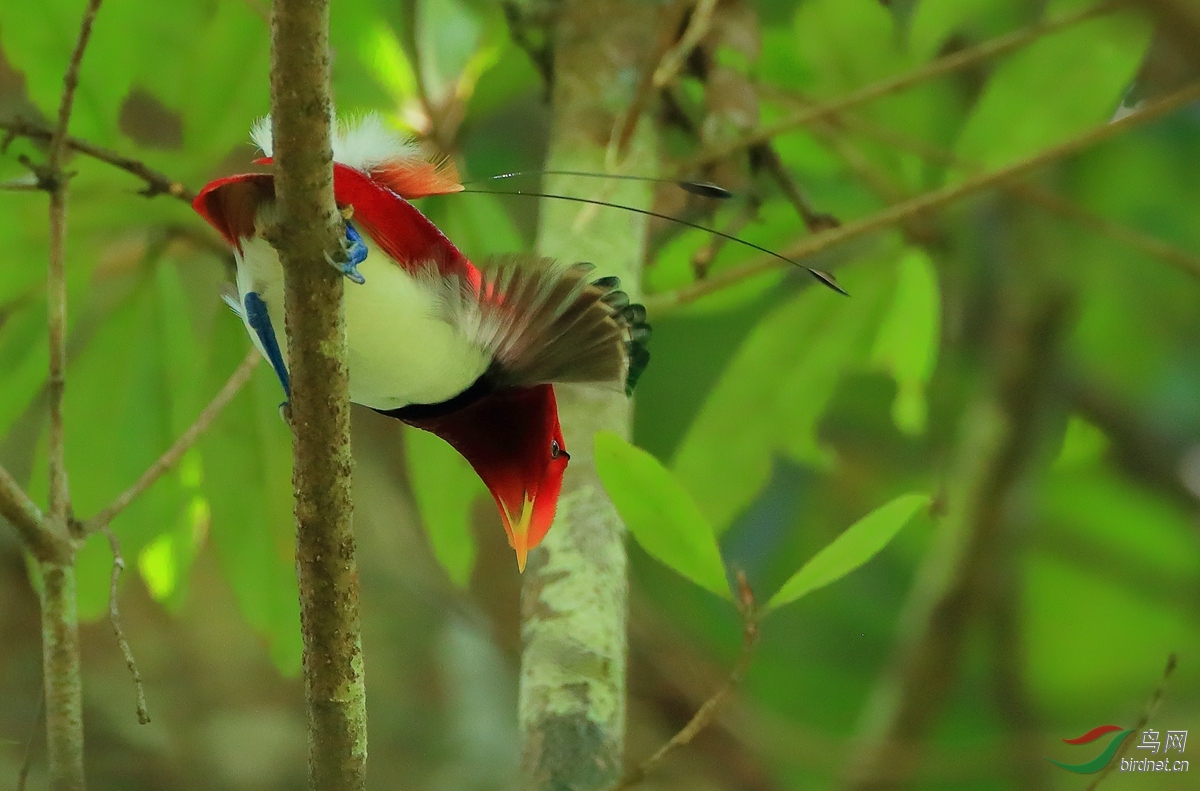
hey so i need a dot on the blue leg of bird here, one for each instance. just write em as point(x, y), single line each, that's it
point(354, 250)
point(260, 321)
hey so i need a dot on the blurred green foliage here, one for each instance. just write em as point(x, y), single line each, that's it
point(774, 413)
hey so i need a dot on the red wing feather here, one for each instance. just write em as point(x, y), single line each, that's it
point(230, 204)
point(400, 230)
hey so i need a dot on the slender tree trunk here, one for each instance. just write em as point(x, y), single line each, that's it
point(63, 681)
point(62, 678)
point(572, 695)
point(309, 229)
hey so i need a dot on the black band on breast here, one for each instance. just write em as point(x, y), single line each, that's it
point(415, 413)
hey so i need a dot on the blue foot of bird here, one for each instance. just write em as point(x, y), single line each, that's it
point(354, 252)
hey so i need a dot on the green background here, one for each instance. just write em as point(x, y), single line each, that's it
point(779, 413)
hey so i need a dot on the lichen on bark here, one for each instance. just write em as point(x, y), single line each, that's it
point(572, 694)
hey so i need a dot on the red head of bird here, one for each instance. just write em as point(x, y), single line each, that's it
point(513, 440)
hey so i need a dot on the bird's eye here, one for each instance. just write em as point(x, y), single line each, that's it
point(556, 450)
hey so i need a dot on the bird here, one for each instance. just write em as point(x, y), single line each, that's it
point(470, 353)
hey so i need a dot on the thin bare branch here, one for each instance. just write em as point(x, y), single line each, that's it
point(1147, 714)
point(56, 280)
point(674, 58)
point(23, 514)
point(930, 201)
point(157, 183)
point(1146, 244)
point(815, 221)
point(114, 616)
point(669, 20)
point(710, 708)
point(56, 288)
point(62, 676)
point(412, 46)
point(931, 70)
point(70, 83)
point(174, 453)
point(1132, 238)
point(27, 519)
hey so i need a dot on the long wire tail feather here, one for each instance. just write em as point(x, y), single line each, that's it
point(824, 277)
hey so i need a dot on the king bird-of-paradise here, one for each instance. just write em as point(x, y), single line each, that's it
point(468, 353)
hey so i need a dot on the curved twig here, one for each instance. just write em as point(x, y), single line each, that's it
point(899, 82)
point(1136, 240)
point(174, 453)
point(23, 514)
point(114, 617)
point(157, 183)
point(674, 58)
point(930, 201)
point(707, 713)
point(1147, 713)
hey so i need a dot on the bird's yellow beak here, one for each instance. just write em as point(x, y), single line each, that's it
point(518, 530)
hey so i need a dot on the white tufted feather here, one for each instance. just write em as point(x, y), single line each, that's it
point(363, 143)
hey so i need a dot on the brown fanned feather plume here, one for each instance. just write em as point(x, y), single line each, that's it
point(544, 322)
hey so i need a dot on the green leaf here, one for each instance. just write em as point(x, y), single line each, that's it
point(1083, 444)
point(659, 513)
point(444, 486)
point(224, 86)
point(724, 459)
point(1097, 508)
point(247, 482)
point(208, 65)
point(38, 39)
point(907, 343)
point(858, 544)
point(117, 408)
point(449, 34)
point(164, 563)
point(840, 345)
point(181, 354)
point(936, 21)
point(1056, 87)
point(849, 44)
point(382, 54)
point(774, 391)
